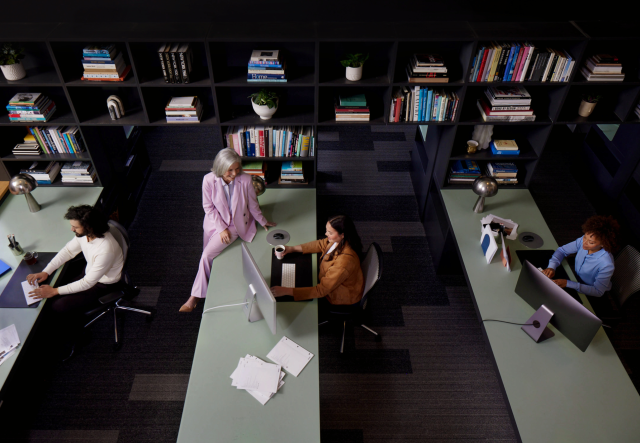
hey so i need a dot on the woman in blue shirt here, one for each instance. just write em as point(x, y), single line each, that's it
point(594, 258)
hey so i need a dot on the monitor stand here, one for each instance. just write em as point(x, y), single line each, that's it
point(539, 331)
point(251, 309)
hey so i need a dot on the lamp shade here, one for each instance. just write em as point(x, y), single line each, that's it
point(22, 184)
point(485, 186)
point(258, 184)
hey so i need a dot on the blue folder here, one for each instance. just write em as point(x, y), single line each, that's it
point(4, 268)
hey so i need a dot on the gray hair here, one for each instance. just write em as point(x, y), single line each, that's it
point(224, 160)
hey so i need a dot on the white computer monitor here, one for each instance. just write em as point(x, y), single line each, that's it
point(260, 302)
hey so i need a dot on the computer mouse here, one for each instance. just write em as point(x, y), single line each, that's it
point(528, 238)
point(278, 236)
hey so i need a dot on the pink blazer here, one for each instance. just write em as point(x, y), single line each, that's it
point(244, 203)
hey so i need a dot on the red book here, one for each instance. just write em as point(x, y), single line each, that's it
point(484, 60)
point(518, 62)
point(261, 141)
point(119, 79)
point(397, 110)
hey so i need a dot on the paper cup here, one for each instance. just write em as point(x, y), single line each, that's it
point(279, 252)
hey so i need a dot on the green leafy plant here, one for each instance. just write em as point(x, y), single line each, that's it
point(591, 98)
point(354, 60)
point(10, 54)
point(264, 97)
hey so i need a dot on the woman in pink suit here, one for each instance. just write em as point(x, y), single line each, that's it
point(231, 210)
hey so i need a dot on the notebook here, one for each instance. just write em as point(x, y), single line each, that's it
point(4, 268)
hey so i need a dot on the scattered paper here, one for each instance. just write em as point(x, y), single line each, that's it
point(291, 356)
point(510, 226)
point(9, 342)
point(27, 288)
point(259, 378)
point(488, 244)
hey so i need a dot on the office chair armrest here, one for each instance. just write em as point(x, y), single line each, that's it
point(110, 298)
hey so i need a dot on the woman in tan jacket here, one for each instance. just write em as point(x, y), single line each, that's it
point(341, 280)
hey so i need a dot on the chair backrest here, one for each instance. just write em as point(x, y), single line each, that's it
point(371, 270)
point(120, 234)
point(626, 277)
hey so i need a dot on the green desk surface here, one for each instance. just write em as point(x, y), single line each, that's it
point(556, 392)
point(215, 411)
point(45, 230)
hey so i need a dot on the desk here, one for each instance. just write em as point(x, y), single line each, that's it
point(556, 392)
point(45, 231)
point(215, 411)
point(4, 189)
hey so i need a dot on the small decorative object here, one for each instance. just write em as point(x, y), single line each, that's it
point(114, 104)
point(482, 134)
point(15, 247)
point(265, 103)
point(354, 63)
point(485, 187)
point(24, 184)
point(587, 105)
point(10, 56)
point(472, 146)
point(258, 184)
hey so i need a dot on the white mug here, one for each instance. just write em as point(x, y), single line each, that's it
point(279, 252)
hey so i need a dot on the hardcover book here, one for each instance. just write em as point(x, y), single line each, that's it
point(265, 55)
point(508, 92)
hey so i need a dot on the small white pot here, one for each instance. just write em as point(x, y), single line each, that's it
point(586, 108)
point(263, 110)
point(14, 72)
point(354, 74)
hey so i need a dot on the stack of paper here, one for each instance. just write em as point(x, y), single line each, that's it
point(511, 227)
point(9, 342)
point(259, 378)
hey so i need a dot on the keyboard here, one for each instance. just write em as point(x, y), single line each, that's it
point(288, 275)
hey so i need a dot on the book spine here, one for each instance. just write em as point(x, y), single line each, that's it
point(485, 53)
point(261, 142)
point(264, 62)
point(265, 76)
point(96, 51)
point(476, 64)
point(163, 65)
point(519, 64)
point(86, 75)
point(487, 66)
point(396, 117)
point(183, 67)
point(78, 140)
point(176, 70)
point(37, 137)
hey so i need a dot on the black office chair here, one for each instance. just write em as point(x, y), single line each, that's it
point(119, 300)
point(372, 272)
point(625, 281)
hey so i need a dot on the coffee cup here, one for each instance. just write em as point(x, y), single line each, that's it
point(31, 257)
point(279, 252)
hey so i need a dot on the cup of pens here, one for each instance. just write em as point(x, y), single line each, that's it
point(15, 247)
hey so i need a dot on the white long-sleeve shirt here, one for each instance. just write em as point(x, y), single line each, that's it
point(104, 262)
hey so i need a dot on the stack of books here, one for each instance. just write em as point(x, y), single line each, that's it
point(28, 147)
point(603, 68)
point(506, 104)
point(503, 173)
point(104, 63)
point(271, 141)
point(420, 104)
point(427, 68)
point(291, 174)
point(504, 147)
point(30, 107)
point(255, 168)
point(352, 108)
point(58, 139)
point(266, 66)
point(43, 172)
point(176, 60)
point(78, 172)
point(518, 62)
point(464, 171)
point(183, 110)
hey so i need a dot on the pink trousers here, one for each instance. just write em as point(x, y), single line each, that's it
point(213, 246)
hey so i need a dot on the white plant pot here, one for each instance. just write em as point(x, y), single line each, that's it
point(14, 72)
point(586, 108)
point(354, 74)
point(263, 110)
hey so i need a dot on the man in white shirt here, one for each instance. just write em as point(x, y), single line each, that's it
point(101, 276)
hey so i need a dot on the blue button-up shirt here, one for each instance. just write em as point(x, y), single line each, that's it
point(594, 271)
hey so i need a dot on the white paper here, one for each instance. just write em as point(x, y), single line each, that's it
point(491, 246)
point(250, 360)
point(9, 339)
point(504, 253)
point(291, 356)
point(507, 222)
point(258, 376)
point(5, 357)
point(26, 288)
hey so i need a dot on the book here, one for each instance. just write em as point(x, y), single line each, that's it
point(505, 145)
point(526, 102)
point(353, 100)
point(496, 151)
point(265, 76)
point(185, 60)
point(508, 92)
point(265, 55)
point(465, 166)
point(488, 110)
point(100, 49)
point(177, 78)
point(109, 77)
point(505, 118)
point(182, 102)
point(26, 98)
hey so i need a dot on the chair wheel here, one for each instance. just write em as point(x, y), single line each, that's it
point(150, 317)
point(117, 346)
point(378, 338)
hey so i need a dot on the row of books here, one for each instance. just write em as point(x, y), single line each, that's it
point(176, 60)
point(420, 104)
point(503, 173)
point(506, 103)
point(45, 172)
point(602, 67)
point(51, 140)
point(518, 62)
point(78, 172)
point(255, 168)
point(104, 63)
point(466, 171)
point(271, 141)
point(427, 68)
point(266, 66)
point(352, 108)
point(30, 107)
point(291, 173)
point(184, 110)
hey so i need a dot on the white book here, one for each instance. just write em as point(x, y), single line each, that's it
point(265, 55)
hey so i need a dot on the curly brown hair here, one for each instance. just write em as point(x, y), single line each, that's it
point(605, 229)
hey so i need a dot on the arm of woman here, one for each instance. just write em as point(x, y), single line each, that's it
point(254, 206)
point(210, 208)
point(335, 276)
point(601, 284)
point(561, 253)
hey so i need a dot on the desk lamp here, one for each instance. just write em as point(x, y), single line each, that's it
point(24, 184)
point(485, 187)
point(258, 185)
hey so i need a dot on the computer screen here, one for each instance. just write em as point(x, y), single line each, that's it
point(575, 321)
point(260, 301)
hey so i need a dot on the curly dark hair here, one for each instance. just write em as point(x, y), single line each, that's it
point(90, 218)
point(344, 225)
point(605, 229)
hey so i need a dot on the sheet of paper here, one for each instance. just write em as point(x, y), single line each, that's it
point(290, 355)
point(258, 376)
point(26, 288)
point(506, 256)
point(9, 339)
point(488, 244)
point(5, 357)
point(507, 222)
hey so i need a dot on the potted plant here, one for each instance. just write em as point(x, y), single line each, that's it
point(265, 103)
point(354, 63)
point(10, 56)
point(589, 102)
